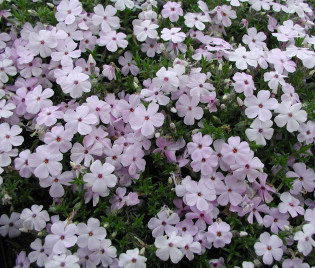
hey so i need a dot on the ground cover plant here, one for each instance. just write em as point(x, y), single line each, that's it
point(157, 133)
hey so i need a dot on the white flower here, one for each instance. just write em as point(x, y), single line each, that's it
point(122, 4)
point(146, 29)
point(260, 131)
point(290, 115)
point(34, 218)
point(243, 58)
point(6, 69)
point(64, 261)
point(173, 34)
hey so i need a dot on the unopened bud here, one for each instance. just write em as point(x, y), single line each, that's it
point(170, 180)
point(50, 5)
point(77, 206)
point(157, 135)
point(226, 96)
point(173, 110)
point(23, 230)
point(113, 235)
point(32, 12)
point(172, 126)
point(239, 101)
point(287, 228)
point(220, 67)
point(106, 225)
point(312, 72)
point(223, 106)
point(243, 234)
point(142, 251)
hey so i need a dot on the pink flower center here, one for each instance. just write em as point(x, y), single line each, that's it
point(46, 161)
point(219, 234)
point(134, 260)
point(269, 247)
point(170, 245)
point(62, 237)
point(90, 233)
point(146, 118)
point(235, 150)
point(260, 105)
point(100, 176)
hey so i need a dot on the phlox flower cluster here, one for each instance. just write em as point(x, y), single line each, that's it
point(93, 104)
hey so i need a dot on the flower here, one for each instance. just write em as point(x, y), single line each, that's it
point(59, 139)
point(254, 39)
point(188, 108)
point(244, 83)
point(260, 106)
point(290, 204)
point(45, 162)
point(62, 237)
point(305, 240)
point(146, 119)
point(105, 18)
point(91, 234)
point(101, 178)
point(39, 255)
point(9, 136)
point(191, 247)
point(307, 132)
point(172, 10)
point(146, 29)
point(276, 220)
point(38, 99)
point(112, 40)
point(22, 260)
point(260, 131)
point(6, 69)
point(68, 10)
point(243, 58)
point(132, 259)
point(169, 247)
point(129, 65)
point(269, 247)
point(122, 4)
point(49, 115)
point(195, 20)
point(290, 115)
point(10, 225)
point(235, 151)
point(219, 234)
point(34, 218)
point(66, 261)
point(173, 34)
point(42, 43)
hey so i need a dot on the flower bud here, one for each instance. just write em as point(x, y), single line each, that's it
point(239, 101)
point(50, 5)
point(173, 110)
point(243, 234)
point(220, 67)
point(113, 235)
point(157, 135)
point(287, 228)
point(106, 224)
point(223, 106)
point(172, 126)
point(142, 251)
point(170, 180)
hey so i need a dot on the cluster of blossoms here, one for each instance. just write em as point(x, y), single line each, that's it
point(99, 142)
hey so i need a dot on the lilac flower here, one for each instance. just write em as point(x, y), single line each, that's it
point(290, 115)
point(173, 34)
point(40, 253)
point(38, 99)
point(105, 18)
point(254, 208)
point(244, 83)
point(133, 158)
point(55, 183)
point(305, 240)
point(105, 253)
point(31, 69)
point(49, 115)
point(188, 108)
point(198, 85)
point(85, 153)
point(146, 119)
point(68, 10)
point(109, 72)
point(235, 151)
point(223, 15)
point(231, 192)
point(85, 258)
point(191, 247)
point(260, 106)
point(10, 226)
point(66, 50)
point(280, 61)
point(264, 188)
point(34, 218)
point(22, 260)
point(90, 234)
point(146, 29)
point(101, 178)
point(295, 263)
point(150, 47)
point(129, 65)
point(260, 4)
point(80, 120)
point(113, 156)
point(269, 247)
point(9, 136)
point(164, 223)
point(203, 217)
point(305, 178)
point(6, 69)
point(289, 94)
point(260, 131)
point(219, 234)
point(307, 132)
point(205, 165)
point(119, 199)
point(63, 260)
point(113, 40)
point(248, 169)
point(59, 139)
point(217, 262)
point(169, 247)
point(5, 109)
point(290, 204)
point(276, 220)
point(172, 10)
point(166, 80)
point(274, 78)
point(199, 195)
point(62, 237)
point(186, 227)
point(21, 164)
point(45, 162)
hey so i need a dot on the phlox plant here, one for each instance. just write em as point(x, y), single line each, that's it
point(144, 133)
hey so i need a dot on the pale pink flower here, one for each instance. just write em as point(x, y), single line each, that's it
point(260, 4)
point(109, 72)
point(172, 10)
point(244, 83)
point(5, 108)
point(290, 204)
point(260, 131)
point(105, 18)
point(167, 80)
point(196, 20)
point(49, 115)
point(42, 43)
point(122, 4)
point(169, 247)
point(290, 115)
point(38, 99)
point(146, 29)
point(274, 79)
point(243, 58)
point(150, 47)
point(10, 226)
point(100, 108)
point(235, 151)
point(133, 159)
point(260, 106)
point(305, 239)
point(188, 108)
point(198, 85)
point(112, 40)
point(269, 247)
point(146, 119)
point(101, 177)
point(32, 68)
point(34, 218)
point(80, 120)
point(9, 136)
point(307, 132)
point(21, 164)
point(6, 68)
point(173, 34)
point(219, 234)
point(45, 162)
point(132, 259)
point(59, 139)
point(254, 39)
point(68, 10)
point(223, 15)
point(163, 224)
point(66, 50)
point(281, 61)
